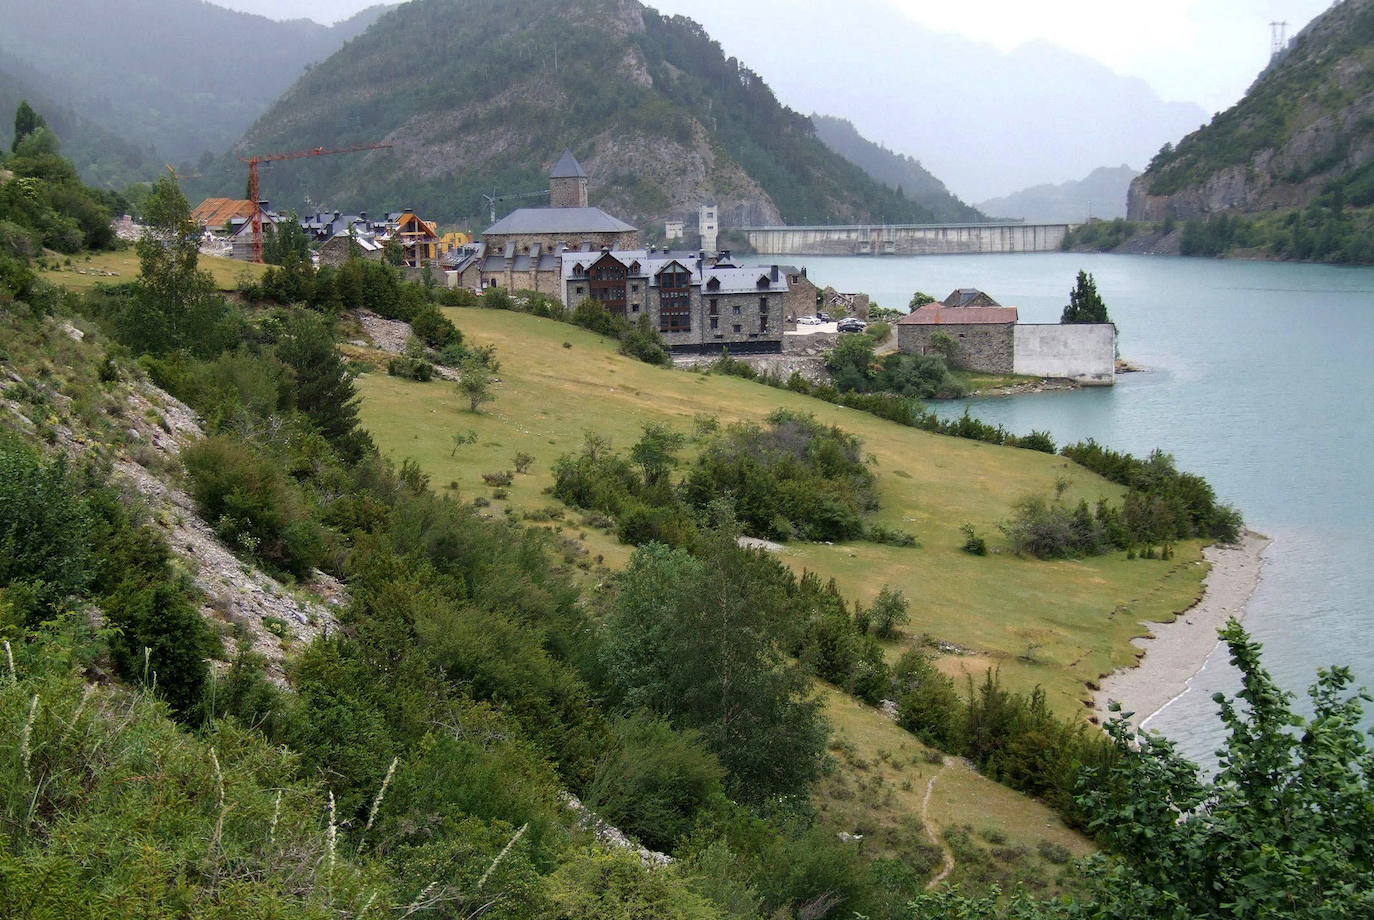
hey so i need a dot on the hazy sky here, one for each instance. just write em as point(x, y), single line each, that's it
point(1204, 51)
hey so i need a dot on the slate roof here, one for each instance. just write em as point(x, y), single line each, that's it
point(937, 314)
point(649, 263)
point(571, 221)
point(743, 280)
point(969, 297)
point(567, 167)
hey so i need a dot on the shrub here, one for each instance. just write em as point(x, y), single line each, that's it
point(434, 328)
point(500, 479)
point(411, 369)
point(45, 526)
point(253, 504)
point(654, 781)
point(973, 543)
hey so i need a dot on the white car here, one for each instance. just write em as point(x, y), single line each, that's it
point(810, 321)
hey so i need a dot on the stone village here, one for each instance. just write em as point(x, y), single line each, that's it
point(702, 301)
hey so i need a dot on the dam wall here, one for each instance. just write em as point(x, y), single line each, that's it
point(907, 239)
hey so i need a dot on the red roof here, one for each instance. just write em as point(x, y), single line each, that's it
point(937, 314)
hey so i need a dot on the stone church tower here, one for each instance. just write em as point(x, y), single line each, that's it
point(567, 183)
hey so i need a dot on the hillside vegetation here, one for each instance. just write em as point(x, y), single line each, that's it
point(254, 668)
point(1304, 130)
point(174, 78)
point(481, 96)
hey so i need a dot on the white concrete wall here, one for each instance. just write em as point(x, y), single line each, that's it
point(1084, 352)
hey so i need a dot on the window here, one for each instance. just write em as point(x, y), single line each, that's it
point(634, 288)
point(578, 289)
point(674, 319)
point(737, 328)
point(634, 308)
point(736, 309)
point(715, 322)
point(715, 306)
point(763, 305)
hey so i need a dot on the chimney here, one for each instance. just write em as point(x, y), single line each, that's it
point(775, 273)
point(362, 215)
point(410, 210)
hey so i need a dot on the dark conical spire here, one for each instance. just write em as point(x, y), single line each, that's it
point(567, 167)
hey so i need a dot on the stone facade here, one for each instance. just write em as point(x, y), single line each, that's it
point(802, 296)
point(698, 308)
point(985, 347)
point(1082, 352)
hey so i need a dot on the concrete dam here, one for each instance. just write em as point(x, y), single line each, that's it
point(907, 239)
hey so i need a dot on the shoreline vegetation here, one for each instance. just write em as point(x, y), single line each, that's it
point(1172, 653)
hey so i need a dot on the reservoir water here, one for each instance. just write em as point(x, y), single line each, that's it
point(1261, 379)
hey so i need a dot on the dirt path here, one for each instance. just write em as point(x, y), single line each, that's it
point(930, 831)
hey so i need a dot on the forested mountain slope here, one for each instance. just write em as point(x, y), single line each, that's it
point(1306, 127)
point(179, 76)
point(898, 170)
point(481, 96)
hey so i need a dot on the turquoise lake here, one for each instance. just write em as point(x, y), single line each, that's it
point(1261, 379)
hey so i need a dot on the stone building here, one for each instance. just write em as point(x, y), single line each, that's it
point(478, 266)
point(984, 336)
point(698, 306)
point(337, 249)
point(979, 337)
point(569, 223)
point(708, 225)
point(802, 295)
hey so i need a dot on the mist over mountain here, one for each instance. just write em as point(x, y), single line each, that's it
point(1102, 194)
point(480, 97)
point(104, 159)
point(181, 76)
point(987, 123)
point(892, 169)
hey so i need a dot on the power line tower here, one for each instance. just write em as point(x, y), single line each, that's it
point(1278, 38)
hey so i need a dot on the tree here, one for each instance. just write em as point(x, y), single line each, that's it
point(174, 304)
point(474, 382)
point(889, 612)
point(695, 639)
point(285, 243)
point(656, 452)
point(26, 121)
point(323, 385)
point(1085, 304)
point(1284, 829)
point(920, 299)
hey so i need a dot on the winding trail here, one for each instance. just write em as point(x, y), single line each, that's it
point(930, 831)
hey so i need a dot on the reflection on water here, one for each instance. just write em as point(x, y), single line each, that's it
point(1261, 380)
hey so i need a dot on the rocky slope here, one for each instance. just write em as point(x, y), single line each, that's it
point(480, 97)
point(1305, 127)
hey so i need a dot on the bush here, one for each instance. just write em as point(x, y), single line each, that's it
point(252, 504)
point(45, 526)
point(654, 781)
point(973, 543)
point(434, 328)
point(411, 369)
point(890, 612)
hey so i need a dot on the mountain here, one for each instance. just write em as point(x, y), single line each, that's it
point(478, 97)
point(897, 170)
point(104, 159)
point(1101, 194)
point(182, 76)
point(987, 122)
point(1305, 127)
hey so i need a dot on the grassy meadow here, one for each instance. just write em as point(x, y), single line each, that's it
point(1059, 625)
point(89, 269)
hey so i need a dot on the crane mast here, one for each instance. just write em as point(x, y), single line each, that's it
point(255, 180)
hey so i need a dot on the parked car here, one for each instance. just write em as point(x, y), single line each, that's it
point(823, 317)
point(852, 325)
point(809, 321)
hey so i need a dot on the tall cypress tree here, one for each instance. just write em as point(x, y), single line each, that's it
point(1085, 304)
point(26, 121)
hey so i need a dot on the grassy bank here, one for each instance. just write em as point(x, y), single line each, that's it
point(89, 269)
point(1055, 624)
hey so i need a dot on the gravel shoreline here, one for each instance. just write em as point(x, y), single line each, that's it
point(1175, 652)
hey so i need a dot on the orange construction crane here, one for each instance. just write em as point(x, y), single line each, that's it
point(255, 185)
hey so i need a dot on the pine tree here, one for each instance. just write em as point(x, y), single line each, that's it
point(1085, 304)
point(26, 121)
point(324, 387)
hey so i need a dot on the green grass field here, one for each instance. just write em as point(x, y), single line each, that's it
point(1054, 624)
point(89, 269)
